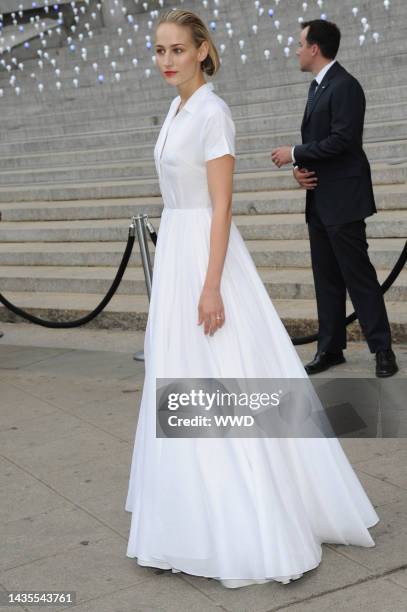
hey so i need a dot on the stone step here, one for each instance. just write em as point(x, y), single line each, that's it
point(350, 54)
point(241, 19)
point(384, 150)
point(388, 197)
point(247, 77)
point(130, 312)
point(147, 98)
point(333, 10)
point(383, 174)
point(251, 121)
point(392, 41)
point(261, 132)
point(46, 115)
point(245, 162)
point(251, 159)
point(280, 283)
point(387, 86)
point(39, 153)
point(241, 23)
point(386, 224)
point(242, 15)
point(384, 253)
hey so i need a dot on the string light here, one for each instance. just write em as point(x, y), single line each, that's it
point(127, 31)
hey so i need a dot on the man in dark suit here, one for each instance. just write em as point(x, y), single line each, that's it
point(332, 166)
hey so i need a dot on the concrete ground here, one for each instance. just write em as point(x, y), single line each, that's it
point(68, 412)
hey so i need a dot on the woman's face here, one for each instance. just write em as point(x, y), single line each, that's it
point(177, 57)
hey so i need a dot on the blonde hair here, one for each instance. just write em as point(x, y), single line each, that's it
point(199, 32)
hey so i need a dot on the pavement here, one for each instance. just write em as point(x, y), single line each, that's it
point(68, 413)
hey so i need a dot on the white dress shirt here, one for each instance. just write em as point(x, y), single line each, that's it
point(318, 79)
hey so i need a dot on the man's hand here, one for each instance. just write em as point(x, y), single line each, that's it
point(305, 179)
point(282, 156)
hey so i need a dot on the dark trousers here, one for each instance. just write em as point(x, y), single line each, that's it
point(340, 262)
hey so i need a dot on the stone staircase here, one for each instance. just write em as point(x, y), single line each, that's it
point(75, 164)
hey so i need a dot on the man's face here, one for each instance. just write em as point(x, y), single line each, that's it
point(306, 53)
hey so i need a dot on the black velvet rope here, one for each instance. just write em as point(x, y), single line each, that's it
point(78, 322)
point(299, 340)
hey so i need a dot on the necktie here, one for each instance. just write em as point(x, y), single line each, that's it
point(311, 94)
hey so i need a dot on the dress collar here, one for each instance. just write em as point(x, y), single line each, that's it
point(194, 101)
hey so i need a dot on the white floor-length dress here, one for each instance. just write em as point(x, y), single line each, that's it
point(241, 510)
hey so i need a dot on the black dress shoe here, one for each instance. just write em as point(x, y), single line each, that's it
point(323, 361)
point(386, 363)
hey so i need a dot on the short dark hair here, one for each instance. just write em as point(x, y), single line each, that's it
point(325, 34)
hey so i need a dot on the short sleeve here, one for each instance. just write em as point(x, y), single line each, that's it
point(219, 135)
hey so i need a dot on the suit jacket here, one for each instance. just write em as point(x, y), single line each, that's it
point(332, 137)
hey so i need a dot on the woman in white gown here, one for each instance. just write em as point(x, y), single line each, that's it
point(241, 510)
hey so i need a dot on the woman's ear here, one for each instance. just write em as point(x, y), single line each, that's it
point(203, 51)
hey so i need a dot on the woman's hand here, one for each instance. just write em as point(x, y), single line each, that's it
point(210, 308)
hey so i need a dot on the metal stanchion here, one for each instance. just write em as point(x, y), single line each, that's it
point(140, 222)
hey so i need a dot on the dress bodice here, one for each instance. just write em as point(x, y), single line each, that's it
point(203, 129)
